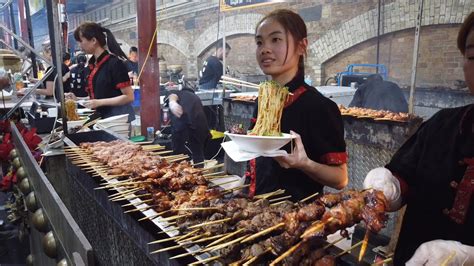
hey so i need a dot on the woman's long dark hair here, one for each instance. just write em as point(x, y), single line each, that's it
point(104, 36)
point(293, 24)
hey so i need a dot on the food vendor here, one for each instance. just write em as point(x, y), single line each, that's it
point(108, 83)
point(319, 158)
point(433, 174)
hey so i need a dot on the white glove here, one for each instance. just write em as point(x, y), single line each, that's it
point(442, 252)
point(176, 109)
point(382, 179)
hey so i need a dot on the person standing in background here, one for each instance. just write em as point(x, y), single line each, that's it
point(212, 71)
point(132, 62)
point(78, 76)
point(108, 83)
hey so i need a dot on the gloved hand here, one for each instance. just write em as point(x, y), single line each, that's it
point(382, 179)
point(442, 252)
point(176, 109)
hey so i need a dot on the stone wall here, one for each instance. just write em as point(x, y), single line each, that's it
point(340, 32)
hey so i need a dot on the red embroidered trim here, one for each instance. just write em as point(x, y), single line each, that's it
point(94, 71)
point(253, 120)
point(463, 194)
point(294, 96)
point(253, 177)
point(122, 85)
point(334, 158)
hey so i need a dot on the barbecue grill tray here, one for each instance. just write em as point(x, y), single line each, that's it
point(101, 135)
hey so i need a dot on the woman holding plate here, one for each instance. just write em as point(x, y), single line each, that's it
point(319, 156)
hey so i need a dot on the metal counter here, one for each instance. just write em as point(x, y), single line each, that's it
point(71, 244)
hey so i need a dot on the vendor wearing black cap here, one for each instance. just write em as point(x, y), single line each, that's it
point(108, 83)
point(433, 174)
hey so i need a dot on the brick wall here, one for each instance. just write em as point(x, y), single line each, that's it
point(439, 62)
point(340, 32)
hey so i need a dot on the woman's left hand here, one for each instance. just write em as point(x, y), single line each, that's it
point(297, 158)
point(92, 104)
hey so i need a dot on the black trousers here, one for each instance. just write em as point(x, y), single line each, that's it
point(187, 142)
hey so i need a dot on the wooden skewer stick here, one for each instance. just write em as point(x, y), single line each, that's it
point(161, 152)
point(312, 229)
point(309, 197)
point(286, 254)
point(124, 192)
point(211, 167)
point(132, 197)
point(163, 240)
point(217, 177)
point(190, 240)
point(166, 249)
point(448, 259)
point(139, 209)
point(264, 232)
point(349, 249)
point(334, 242)
point(387, 260)
point(153, 147)
point(236, 188)
point(238, 80)
point(138, 203)
point(173, 156)
point(270, 194)
point(365, 243)
point(220, 184)
point(224, 238)
point(254, 258)
point(238, 84)
point(209, 223)
point(196, 209)
point(216, 173)
point(188, 234)
point(206, 260)
point(175, 217)
point(207, 239)
point(221, 246)
point(178, 159)
point(280, 198)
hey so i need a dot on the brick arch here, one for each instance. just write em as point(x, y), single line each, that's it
point(175, 40)
point(399, 15)
point(237, 24)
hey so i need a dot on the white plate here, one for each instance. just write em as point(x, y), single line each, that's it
point(113, 127)
point(84, 110)
point(260, 144)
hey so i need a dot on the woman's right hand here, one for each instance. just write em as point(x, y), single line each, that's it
point(70, 96)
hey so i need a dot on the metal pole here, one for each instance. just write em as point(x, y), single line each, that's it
point(150, 109)
point(57, 53)
point(378, 37)
point(18, 38)
point(415, 57)
point(223, 56)
point(30, 37)
point(12, 22)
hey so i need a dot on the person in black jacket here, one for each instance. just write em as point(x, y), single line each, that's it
point(212, 71)
point(78, 76)
point(189, 128)
point(379, 94)
point(433, 174)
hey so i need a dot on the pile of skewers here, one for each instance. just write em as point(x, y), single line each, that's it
point(233, 229)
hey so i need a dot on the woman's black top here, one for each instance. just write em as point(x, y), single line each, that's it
point(51, 77)
point(107, 76)
point(318, 120)
point(431, 165)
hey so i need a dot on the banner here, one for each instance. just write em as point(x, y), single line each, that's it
point(227, 5)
